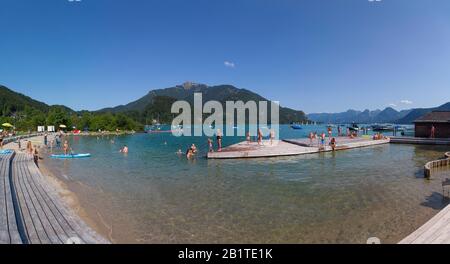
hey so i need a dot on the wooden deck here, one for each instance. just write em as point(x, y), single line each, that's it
point(288, 147)
point(45, 219)
point(9, 233)
point(435, 231)
point(420, 141)
point(31, 209)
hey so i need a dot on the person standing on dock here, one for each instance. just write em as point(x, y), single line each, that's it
point(311, 136)
point(322, 139)
point(260, 136)
point(339, 131)
point(272, 136)
point(210, 145)
point(433, 131)
point(219, 140)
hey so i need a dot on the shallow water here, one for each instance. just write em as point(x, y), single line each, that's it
point(152, 195)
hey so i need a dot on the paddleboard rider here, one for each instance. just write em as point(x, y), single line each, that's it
point(66, 147)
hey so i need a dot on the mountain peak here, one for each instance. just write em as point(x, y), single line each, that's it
point(189, 85)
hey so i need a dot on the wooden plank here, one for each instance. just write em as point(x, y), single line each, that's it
point(64, 222)
point(42, 211)
point(14, 234)
point(4, 230)
point(62, 230)
point(25, 211)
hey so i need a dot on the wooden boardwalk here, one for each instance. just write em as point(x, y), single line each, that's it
point(9, 233)
point(31, 209)
point(420, 141)
point(435, 231)
point(288, 147)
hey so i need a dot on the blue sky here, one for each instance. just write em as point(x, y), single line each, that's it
point(312, 55)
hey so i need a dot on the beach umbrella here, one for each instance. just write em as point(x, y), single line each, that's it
point(7, 125)
point(62, 126)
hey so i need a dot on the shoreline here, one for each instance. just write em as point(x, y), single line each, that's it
point(72, 200)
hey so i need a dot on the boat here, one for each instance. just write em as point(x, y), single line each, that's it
point(382, 128)
point(354, 127)
point(70, 156)
point(297, 127)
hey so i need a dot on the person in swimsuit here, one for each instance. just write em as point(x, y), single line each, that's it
point(189, 153)
point(66, 147)
point(194, 149)
point(333, 143)
point(29, 147)
point(260, 136)
point(219, 140)
point(210, 145)
point(433, 131)
point(248, 138)
point(272, 136)
point(124, 149)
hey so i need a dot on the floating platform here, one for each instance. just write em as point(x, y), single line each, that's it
point(420, 141)
point(289, 147)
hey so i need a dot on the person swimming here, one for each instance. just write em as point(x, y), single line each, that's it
point(124, 149)
point(189, 153)
point(194, 149)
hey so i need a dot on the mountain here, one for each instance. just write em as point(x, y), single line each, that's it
point(221, 93)
point(12, 102)
point(388, 115)
point(418, 112)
